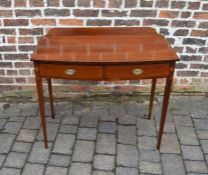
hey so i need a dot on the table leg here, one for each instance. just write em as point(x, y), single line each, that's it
point(42, 108)
point(51, 97)
point(154, 80)
point(168, 86)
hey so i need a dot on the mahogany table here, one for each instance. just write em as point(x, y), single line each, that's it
point(127, 53)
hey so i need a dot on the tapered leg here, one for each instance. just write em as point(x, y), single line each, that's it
point(154, 80)
point(51, 97)
point(168, 86)
point(42, 108)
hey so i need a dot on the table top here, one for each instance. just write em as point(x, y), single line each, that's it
point(103, 46)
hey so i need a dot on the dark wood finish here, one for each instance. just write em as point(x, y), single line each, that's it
point(51, 97)
point(104, 54)
point(154, 81)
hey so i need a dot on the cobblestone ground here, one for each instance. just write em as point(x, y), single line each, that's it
point(103, 138)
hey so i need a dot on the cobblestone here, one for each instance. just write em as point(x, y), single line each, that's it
point(15, 160)
point(87, 133)
point(21, 147)
point(60, 160)
point(26, 135)
point(12, 127)
point(150, 168)
point(56, 170)
point(196, 167)
point(10, 171)
point(33, 169)
point(80, 169)
point(32, 123)
point(104, 162)
point(107, 127)
point(125, 171)
point(192, 152)
point(127, 134)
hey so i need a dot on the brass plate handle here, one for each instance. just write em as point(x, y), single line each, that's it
point(137, 71)
point(70, 71)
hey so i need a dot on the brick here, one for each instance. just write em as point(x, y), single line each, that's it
point(7, 48)
point(5, 3)
point(172, 164)
point(7, 31)
point(27, 13)
point(196, 167)
point(6, 141)
point(33, 31)
point(203, 25)
point(87, 133)
point(191, 58)
point(10, 171)
point(33, 169)
point(106, 144)
point(200, 33)
point(194, 41)
point(5, 64)
point(203, 50)
point(20, 3)
point(185, 14)
point(181, 66)
point(192, 152)
point(124, 171)
point(181, 32)
point(5, 13)
point(55, 170)
point(115, 3)
point(200, 15)
point(56, 12)
point(84, 3)
point(64, 143)
point(130, 3)
point(68, 3)
point(143, 13)
point(205, 6)
point(54, 3)
point(161, 4)
point(104, 162)
point(188, 24)
point(23, 65)
point(16, 22)
point(157, 22)
point(85, 13)
point(146, 3)
point(127, 155)
point(113, 13)
point(119, 22)
point(15, 160)
point(198, 66)
point(168, 14)
point(150, 167)
point(59, 160)
point(26, 48)
point(99, 3)
point(36, 3)
point(71, 22)
point(178, 4)
point(193, 5)
point(80, 169)
point(43, 22)
point(83, 151)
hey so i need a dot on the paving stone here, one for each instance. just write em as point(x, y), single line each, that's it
point(125, 171)
point(169, 128)
point(26, 135)
point(2, 158)
point(199, 113)
point(15, 160)
point(150, 167)
point(6, 141)
point(63, 109)
point(89, 121)
point(127, 120)
point(127, 134)
point(52, 129)
point(117, 109)
point(108, 118)
point(127, 155)
point(30, 109)
point(72, 120)
point(136, 109)
point(147, 142)
point(107, 127)
point(99, 110)
point(17, 119)
point(172, 164)
point(39, 154)
point(60, 160)
point(201, 124)
point(146, 127)
point(33, 169)
point(192, 152)
point(80, 169)
point(87, 133)
point(104, 162)
point(149, 155)
point(204, 144)
point(202, 134)
point(13, 110)
point(12, 127)
point(170, 144)
point(57, 119)
point(32, 123)
point(182, 120)
point(196, 167)
point(187, 136)
point(64, 143)
point(56, 170)
point(97, 172)
point(2, 123)
point(21, 147)
point(83, 151)
point(10, 171)
point(69, 129)
point(81, 110)
point(106, 144)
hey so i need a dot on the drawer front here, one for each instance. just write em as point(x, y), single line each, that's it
point(137, 72)
point(71, 71)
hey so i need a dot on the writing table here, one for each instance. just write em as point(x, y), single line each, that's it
point(127, 53)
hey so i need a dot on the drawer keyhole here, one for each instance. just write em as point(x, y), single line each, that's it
point(137, 71)
point(70, 72)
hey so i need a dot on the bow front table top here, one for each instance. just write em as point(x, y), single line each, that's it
point(117, 53)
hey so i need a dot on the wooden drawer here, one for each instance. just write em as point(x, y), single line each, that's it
point(73, 72)
point(137, 71)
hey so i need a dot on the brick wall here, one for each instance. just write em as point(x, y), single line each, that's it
point(184, 23)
